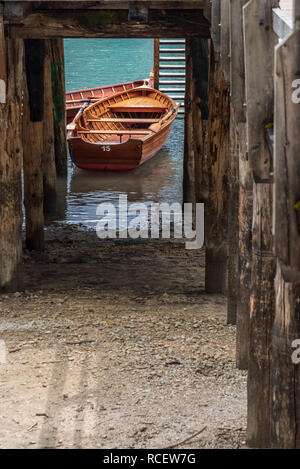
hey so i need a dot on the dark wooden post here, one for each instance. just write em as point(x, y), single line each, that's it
point(33, 112)
point(217, 160)
point(260, 41)
point(285, 367)
point(49, 168)
point(156, 62)
point(188, 161)
point(241, 201)
point(58, 94)
point(11, 76)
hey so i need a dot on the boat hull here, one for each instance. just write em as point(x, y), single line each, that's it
point(116, 157)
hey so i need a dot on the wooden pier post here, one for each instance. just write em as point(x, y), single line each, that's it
point(241, 200)
point(188, 158)
point(11, 59)
point(285, 365)
point(156, 62)
point(260, 41)
point(217, 173)
point(49, 167)
point(33, 144)
point(58, 94)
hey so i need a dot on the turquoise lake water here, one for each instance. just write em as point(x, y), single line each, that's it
point(96, 62)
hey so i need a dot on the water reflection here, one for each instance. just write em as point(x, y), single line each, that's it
point(158, 180)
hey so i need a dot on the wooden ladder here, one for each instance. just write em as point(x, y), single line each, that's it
point(169, 69)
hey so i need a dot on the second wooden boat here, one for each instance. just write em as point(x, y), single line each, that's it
point(121, 132)
point(75, 99)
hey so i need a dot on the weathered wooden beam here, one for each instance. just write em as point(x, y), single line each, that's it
point(285, 368)
point(120, 4)
point(233, 225)
point(156, 62)
point(58, 96)
point(241, 188)
point(33, 147)
point(110, 23)
point(11, 274)
point(188, 159)
point(217, 173)
point(49, 166)
point(260, 41)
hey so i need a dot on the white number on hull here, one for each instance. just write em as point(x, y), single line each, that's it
point(105, 148)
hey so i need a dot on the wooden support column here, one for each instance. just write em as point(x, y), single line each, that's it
point(259, 58)
point(285, 367)
point(188, 161)
point(33, 145)
point(49, 167)
point(58, 94)
point(217, 161)
point(156, 62)
point(11, 58)
point(241, 208)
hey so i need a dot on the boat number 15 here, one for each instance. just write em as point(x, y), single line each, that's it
point(105, 148)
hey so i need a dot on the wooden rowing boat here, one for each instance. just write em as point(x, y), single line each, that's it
point(74, 99)
point(121, 132)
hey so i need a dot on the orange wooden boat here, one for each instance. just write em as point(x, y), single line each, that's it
point(75, 99)
point(121, 132)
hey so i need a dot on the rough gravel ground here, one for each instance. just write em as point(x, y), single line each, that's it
point(114, 344)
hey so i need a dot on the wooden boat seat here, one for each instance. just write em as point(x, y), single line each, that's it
point(138, 104)
point(137, 108)
point(133, 121)
point(117, 132)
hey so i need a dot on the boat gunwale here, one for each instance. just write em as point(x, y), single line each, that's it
point(143, 87)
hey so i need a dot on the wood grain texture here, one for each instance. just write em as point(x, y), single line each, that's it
point(49, 167)
point(285, 374)
point(58, 96)
point(11, 273)
point(33, 148)
point(217, 154)
point(110, 23)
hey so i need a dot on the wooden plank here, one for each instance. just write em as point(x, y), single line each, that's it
point(133, 121)
point(188, 158)
point(259, 53)
point(156, 62)
point(122, 4)
point(59, 96)
point(11, 274)
point(110, 23)
point(33, 143)
point(116, 132)
point(216, 169)
point(285, 372)
point(49, 167)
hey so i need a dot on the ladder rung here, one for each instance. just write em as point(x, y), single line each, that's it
point(172, 67)
point(178, 96)
point(172, 90)
point(172, 82)
point(172, 51)
point(172, 41)
point(172, 74)
point(172, 59)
